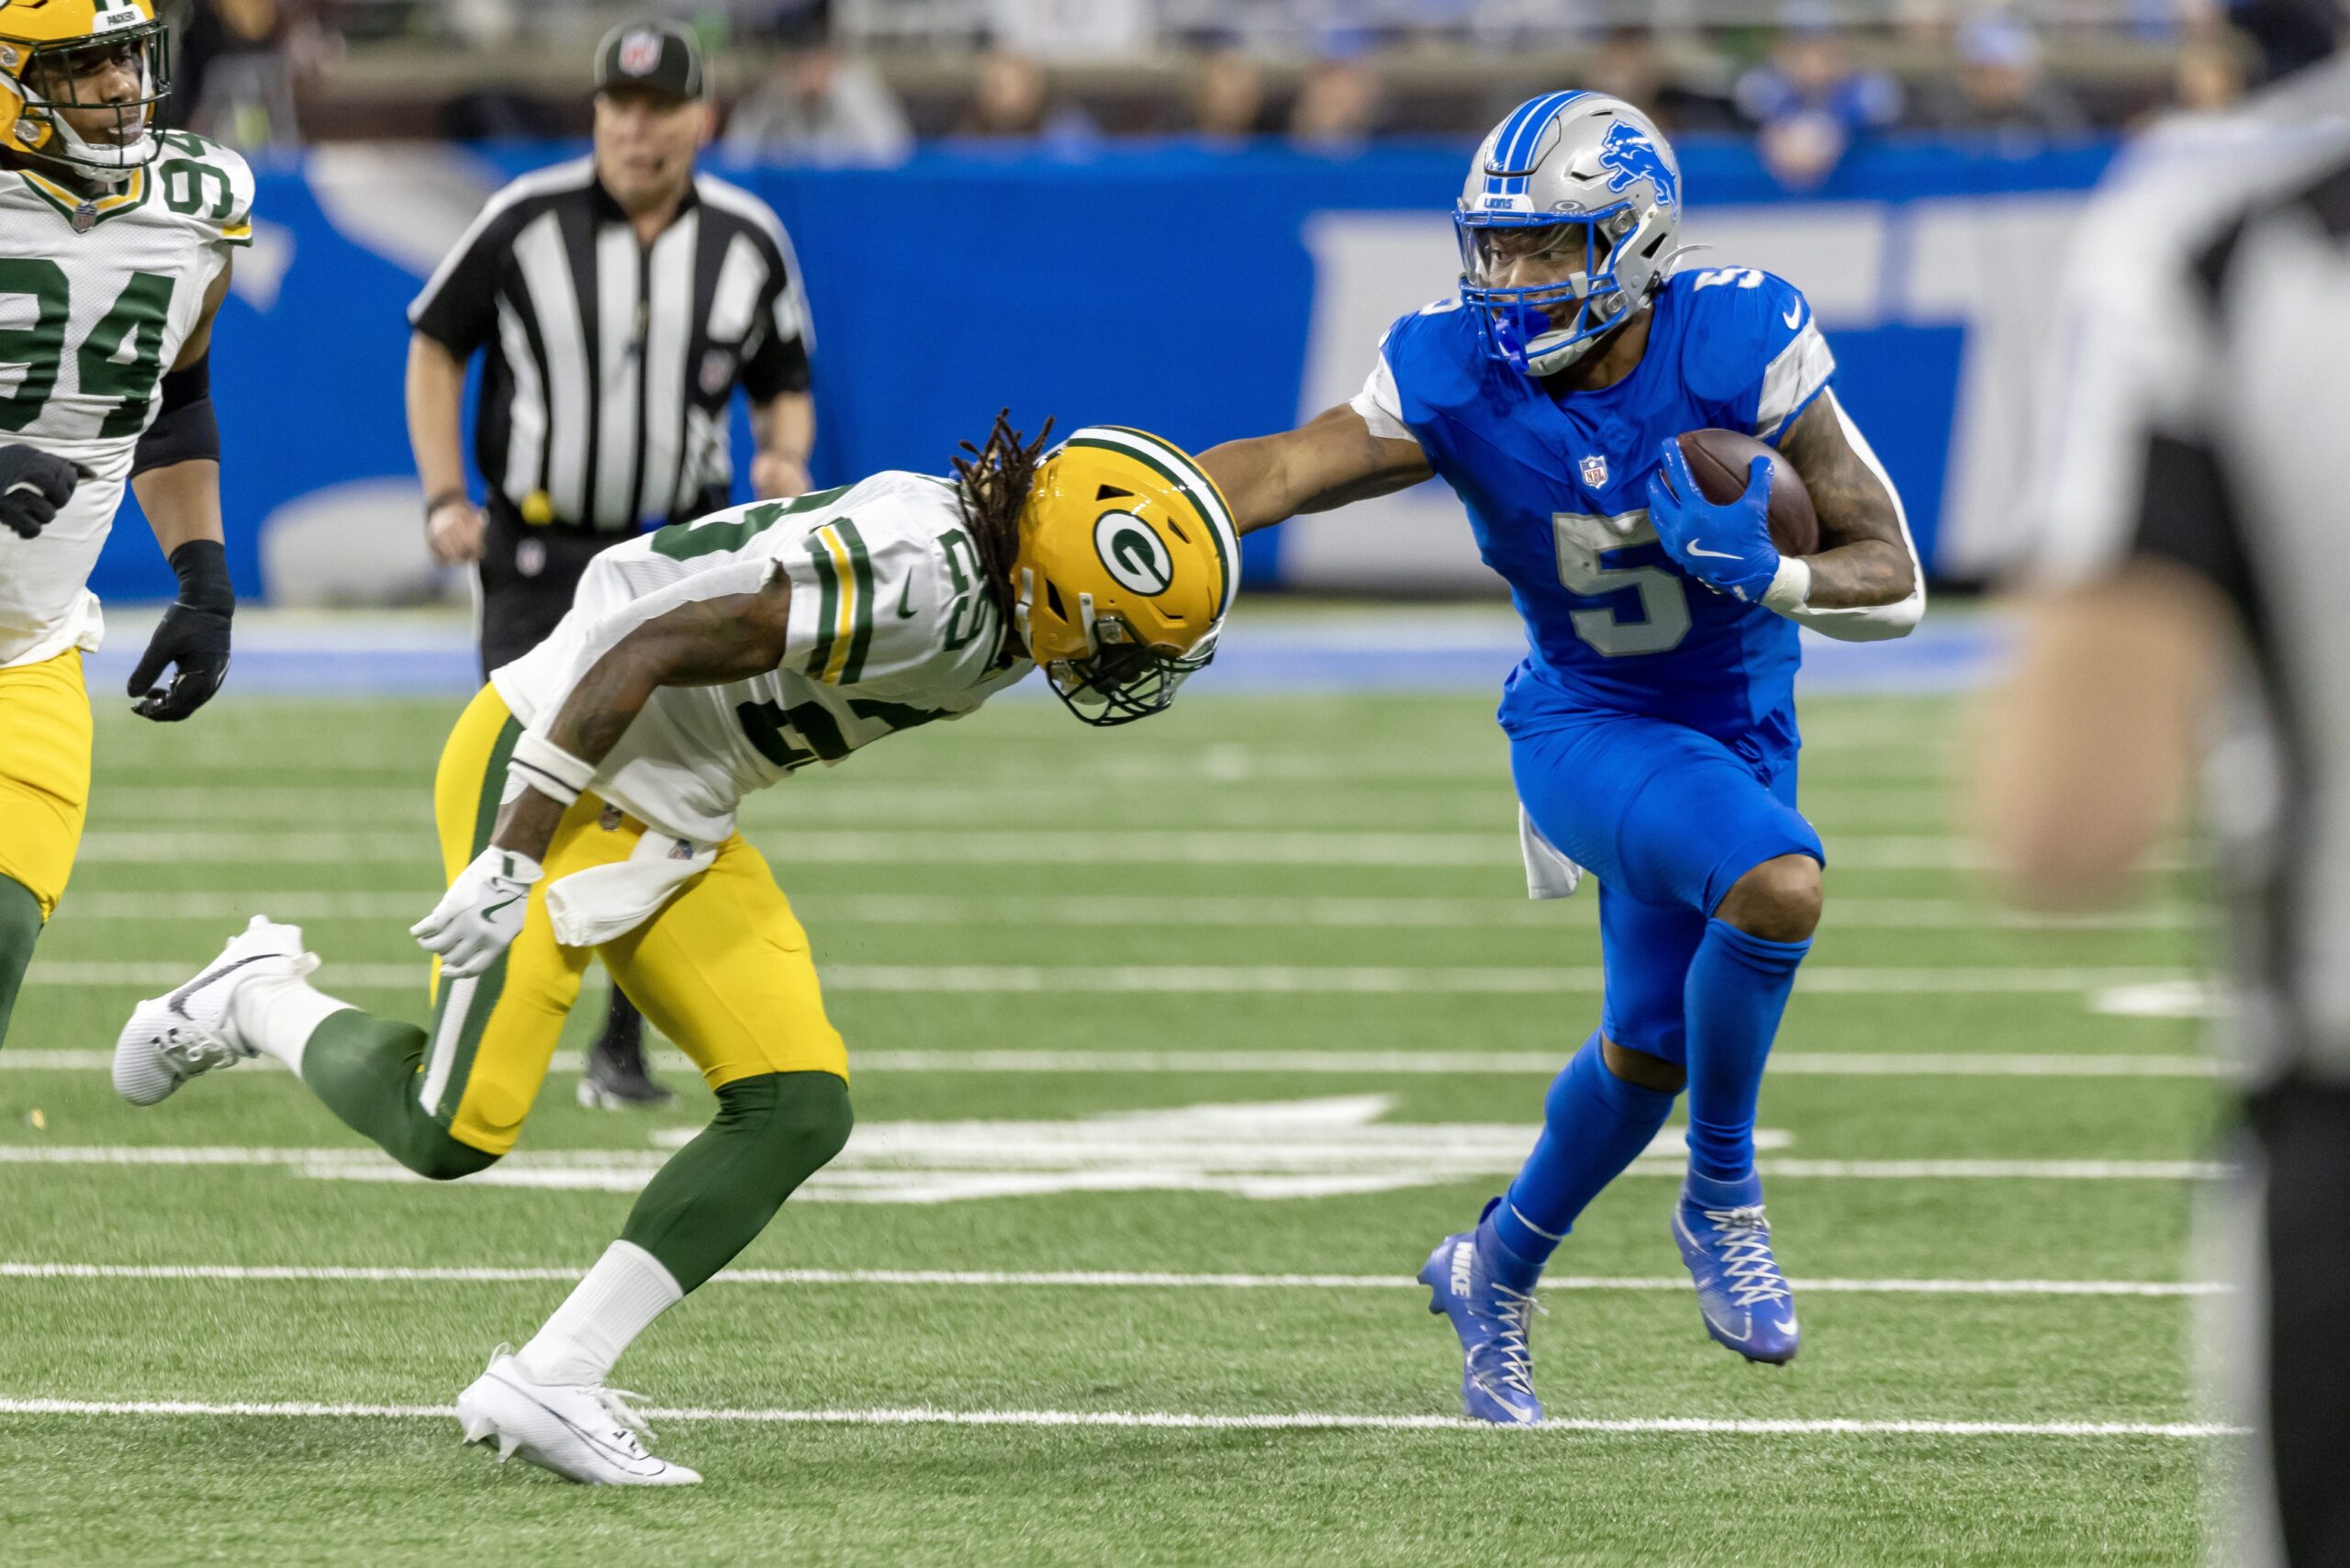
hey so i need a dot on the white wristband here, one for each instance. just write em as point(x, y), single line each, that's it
point(548, 768)
point(1791, 587)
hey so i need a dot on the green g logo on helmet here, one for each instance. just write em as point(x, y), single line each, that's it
point(1135, 556)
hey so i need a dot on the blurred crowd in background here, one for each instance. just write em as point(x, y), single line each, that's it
point(862, 80)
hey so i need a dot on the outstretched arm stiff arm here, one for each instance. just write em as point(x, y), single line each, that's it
point(1326, 463)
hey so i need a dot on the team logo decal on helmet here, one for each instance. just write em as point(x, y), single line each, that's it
point(1566, 225)
point(1127, 562)
point(1135, 555)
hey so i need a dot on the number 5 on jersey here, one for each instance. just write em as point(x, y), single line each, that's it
point(1582, 539)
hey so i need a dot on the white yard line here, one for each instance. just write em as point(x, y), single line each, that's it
point(1223, 978)
point(629, 1170)
point(1224, 910)
point(1177, 1420)
point(1237, 847)
point(1425, 1064)
point(1096, 1279)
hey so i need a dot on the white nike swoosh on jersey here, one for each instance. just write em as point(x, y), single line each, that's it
point(1794, 316)
point(1712, 555)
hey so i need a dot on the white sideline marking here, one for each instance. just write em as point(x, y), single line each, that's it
point(1224, 978)
point(628, 1170)
point(1104, 1278)
point(1227, 910)
point(1181, 1421)
point(1418, 1064)
point(1237, 846)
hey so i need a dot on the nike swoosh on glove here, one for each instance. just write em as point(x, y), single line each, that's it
point(1725, 547)
point(481, 914)
point(192, 639)
point(33, 485)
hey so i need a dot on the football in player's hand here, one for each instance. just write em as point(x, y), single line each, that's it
point(1720, 459)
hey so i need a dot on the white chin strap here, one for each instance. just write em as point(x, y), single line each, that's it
point(109, 163)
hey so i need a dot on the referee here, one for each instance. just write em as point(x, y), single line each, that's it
point(2196, 574)
point(617, 302)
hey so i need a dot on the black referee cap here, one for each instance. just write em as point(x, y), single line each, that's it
point(660, 55)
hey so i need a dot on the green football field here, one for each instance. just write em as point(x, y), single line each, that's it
point(1176, 1049)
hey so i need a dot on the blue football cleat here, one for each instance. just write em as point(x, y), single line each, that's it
point(1497, 1372)
point(1726, 1243)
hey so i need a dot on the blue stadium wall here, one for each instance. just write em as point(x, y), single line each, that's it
point(1201, 294)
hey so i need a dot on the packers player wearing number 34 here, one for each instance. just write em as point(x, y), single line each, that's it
point(586, 805)
point(115, 245)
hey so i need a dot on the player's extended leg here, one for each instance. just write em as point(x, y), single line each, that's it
point(44, 798)
point(725, 971)
point(1755, 867)
point(445, 1100)
point(1601, 1113)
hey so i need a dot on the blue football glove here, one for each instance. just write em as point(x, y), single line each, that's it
point(1725, 547)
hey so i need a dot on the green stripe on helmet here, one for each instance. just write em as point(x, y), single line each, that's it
point(1188, 478)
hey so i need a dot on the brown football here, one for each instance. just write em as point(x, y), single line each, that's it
point(1719, 458)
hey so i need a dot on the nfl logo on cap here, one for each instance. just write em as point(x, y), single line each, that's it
point(640, 52)
point(1595, 471)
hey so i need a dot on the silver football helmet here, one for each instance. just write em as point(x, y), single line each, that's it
point(1566, 227)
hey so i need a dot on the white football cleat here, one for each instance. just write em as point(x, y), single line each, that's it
point(172, 1038)
point(582, 1433)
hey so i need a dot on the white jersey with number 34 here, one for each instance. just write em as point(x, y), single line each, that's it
point(97, 298)
point(890, 626)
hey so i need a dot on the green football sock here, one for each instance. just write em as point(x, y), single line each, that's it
point(771, 1133)
point(19, 929)
point(365, 1068)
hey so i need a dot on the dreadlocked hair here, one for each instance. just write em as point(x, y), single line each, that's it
point(993, 484)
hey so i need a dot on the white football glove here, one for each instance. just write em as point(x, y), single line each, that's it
point(481, 912)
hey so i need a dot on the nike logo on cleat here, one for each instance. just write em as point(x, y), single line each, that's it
point(1462, 1260)
point(1785, 1325)
point(206, 978)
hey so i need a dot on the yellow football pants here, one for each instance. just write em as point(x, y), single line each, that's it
point(723, 969)
point(44, 773)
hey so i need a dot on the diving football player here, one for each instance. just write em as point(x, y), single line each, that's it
point(586, 806)
point(115, 245)
point(1652, 725)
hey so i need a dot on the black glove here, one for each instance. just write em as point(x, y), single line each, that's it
point(33, 485)
point(194, 635)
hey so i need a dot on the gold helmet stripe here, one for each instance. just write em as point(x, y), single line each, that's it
point(1188, 478)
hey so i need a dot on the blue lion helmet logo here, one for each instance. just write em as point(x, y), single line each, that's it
point(1630, 155)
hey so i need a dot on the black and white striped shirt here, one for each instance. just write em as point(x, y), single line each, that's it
point(2202, 418)
point(611, 363)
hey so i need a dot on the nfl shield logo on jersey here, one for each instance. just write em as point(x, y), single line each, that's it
point(641, 52)
point(1595, 471)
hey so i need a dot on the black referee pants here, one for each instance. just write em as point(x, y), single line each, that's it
point(2304, 1133)
point(528, 573)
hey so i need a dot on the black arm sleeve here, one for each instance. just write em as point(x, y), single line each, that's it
point(458, 308)
point(779, 360)
point(186, 430)
point(2188, 517)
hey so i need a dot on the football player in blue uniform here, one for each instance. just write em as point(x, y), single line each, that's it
point(1652, 724)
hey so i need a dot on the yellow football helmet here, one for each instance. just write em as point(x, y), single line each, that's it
point(1126, 565)
point(49, 50)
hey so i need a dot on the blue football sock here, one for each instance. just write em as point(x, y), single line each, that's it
point(1736, 991)
point(1595, 1124)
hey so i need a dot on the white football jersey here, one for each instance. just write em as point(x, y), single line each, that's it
point(892, 626)
point(97, 298)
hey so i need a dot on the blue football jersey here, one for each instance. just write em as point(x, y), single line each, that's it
point(1555, 489)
